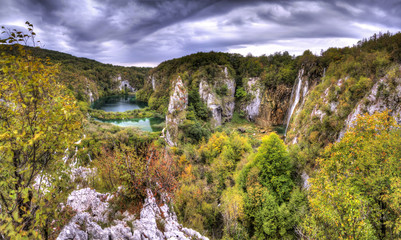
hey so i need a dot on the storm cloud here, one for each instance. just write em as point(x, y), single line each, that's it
point(147, 32)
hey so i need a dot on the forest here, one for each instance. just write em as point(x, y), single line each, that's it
point(236, 180)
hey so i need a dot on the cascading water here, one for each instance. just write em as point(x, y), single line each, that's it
point(296, 100)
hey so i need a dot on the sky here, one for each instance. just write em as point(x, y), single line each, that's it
point(148, 32)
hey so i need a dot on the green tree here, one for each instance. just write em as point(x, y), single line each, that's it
point(275, 167)
point(271, 206)
point(355, 194)
point(38, 121)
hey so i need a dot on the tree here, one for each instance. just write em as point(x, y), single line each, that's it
point(273, 161)
point(271, 206)
point(38, 121)
point(355, 193)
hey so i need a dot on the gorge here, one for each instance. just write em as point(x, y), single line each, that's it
point(214, 145)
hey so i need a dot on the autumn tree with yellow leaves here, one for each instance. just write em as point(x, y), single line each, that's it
point(356, 192)
point(38, 121)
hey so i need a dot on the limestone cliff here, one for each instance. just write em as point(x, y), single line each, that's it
point(265, 106)
point(176, 111)
point(252, 106)
point(323, 113)
point(218, 95)
point(123, 84)
point(384, 95)
point(93, 212)
point(275, 102)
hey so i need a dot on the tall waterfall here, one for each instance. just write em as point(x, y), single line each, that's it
point(296, 100)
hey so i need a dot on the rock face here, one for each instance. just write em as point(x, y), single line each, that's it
point(153, 83)
point(273, 107)
point(218, 95)
point(266, 106)
point(176, 111)
point(124, 84)
point(252, 107)
point(155, 222)
point(384, 95)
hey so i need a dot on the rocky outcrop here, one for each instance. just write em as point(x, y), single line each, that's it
point(265, 106)
point(384, 95)
point(176, 111)
point(218, 95)
point(93, 212)
point(275, 102)
point(252, 107)
point(124, 84)
point(153, 83)
point(153, 80)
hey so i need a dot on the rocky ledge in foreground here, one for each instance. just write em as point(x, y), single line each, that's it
point(93, 211)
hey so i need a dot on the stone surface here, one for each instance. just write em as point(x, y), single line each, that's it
point(380, 98)
point(252, 107)
point(93, 211)
point(176, 111)
point(221, 106)
point(124, 84)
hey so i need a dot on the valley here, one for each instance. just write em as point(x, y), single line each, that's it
point(211, 145)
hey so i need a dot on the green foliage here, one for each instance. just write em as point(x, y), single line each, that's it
point(222, 91)
point(275, 169)
point(208, 180)
point(360, 175)
point(232, 205)
point(272, 206)
point(39, 120)
point(238, 119)
point(159, 102)
point(280, 69)
point(241, 94)
point(197, 106)
point(144, 94)
point(84, 76)
point(194, 132)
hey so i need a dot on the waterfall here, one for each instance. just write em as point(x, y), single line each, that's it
point(324, 72)
point(296, 100)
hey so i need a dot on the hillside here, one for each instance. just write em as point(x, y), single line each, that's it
point(88, 79)
point(220, 166)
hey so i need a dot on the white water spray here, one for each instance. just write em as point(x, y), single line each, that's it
point(296, 100)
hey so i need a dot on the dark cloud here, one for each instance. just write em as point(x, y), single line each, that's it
point(150, 31)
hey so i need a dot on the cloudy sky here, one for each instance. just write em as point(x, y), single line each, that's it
point(147, 32)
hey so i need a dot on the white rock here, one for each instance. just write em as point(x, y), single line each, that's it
point(252, 108)
point(375, 102)
point(178, 103)
point(222, 107)
point(92, 208)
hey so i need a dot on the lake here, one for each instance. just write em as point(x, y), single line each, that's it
point(118, 104)
point(126, 103)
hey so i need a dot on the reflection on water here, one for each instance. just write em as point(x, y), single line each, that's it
point(126, 103)
point(144, 124)
point(118, 104)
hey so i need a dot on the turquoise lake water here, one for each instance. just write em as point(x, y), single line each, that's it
point(126, 103)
